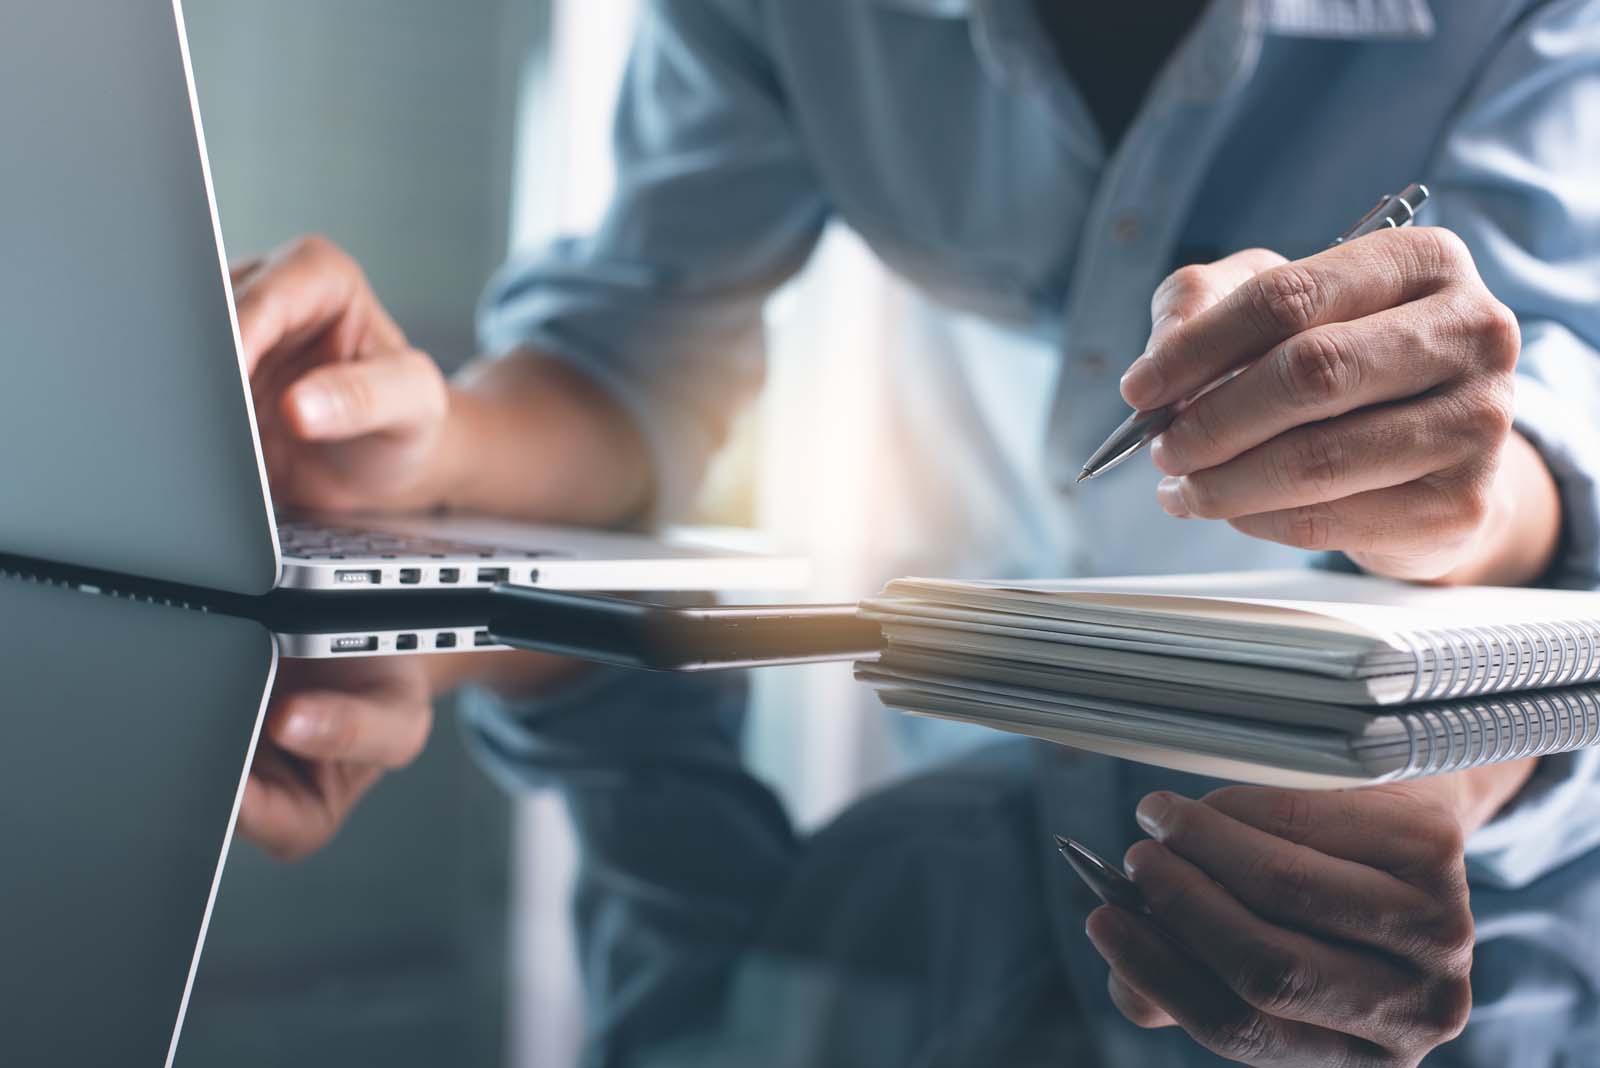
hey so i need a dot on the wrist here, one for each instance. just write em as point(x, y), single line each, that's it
point(1478, 796)
point(1520, 532)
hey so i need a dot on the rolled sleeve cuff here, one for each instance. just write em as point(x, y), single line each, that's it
point(1554, 819)
point(604, 729)
point(1570, 447)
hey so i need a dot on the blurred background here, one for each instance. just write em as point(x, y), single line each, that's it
point(429, 140)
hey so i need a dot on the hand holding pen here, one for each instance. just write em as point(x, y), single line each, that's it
point(1285, 927)
point(1360, 400)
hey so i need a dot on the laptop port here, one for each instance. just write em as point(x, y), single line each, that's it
point(449, 574)
point(410, 576)
point(355, 643)
point(357, 577)
point(405, 643)
point(482, 638)
point(445, 640)
point(494, 574)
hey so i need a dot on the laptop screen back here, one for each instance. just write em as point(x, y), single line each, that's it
point(126, 440)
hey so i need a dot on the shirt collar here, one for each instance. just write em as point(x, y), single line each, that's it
point(1291, 18)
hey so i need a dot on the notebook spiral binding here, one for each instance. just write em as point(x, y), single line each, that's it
point(1470, 734)
point(1499, 657)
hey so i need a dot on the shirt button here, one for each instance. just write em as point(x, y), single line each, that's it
point(1093, 362)
point(1127, 228)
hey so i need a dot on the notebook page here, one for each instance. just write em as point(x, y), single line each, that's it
point(1301, 599)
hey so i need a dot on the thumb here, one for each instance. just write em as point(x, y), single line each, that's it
point(391, 391)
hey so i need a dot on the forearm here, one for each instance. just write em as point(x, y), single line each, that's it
point(528, 437)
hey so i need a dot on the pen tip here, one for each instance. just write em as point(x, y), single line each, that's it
point(1081, 476)
point(1063, 843)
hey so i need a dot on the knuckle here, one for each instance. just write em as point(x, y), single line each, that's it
point(1201, 497)
point(1288, 299)
point(1200, 434)
point(1288, 815)
point(1314, 370)
point(1495, 332)
point(1317, 462)
point(1276, 982)
point(1182, 286)
point(1445, 1009)
point(314, 247)
point(1310, 527)
point(352, 394)
point(1244, 1036)
point(1440, 252)
point(1283, 882)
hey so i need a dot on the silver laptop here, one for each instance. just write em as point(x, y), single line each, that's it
point(127, 438)
point(124, 752)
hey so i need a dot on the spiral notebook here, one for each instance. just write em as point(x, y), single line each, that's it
point(1289, 677)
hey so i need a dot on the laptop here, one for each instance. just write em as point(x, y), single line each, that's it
point(127, 438)
point(127, 734)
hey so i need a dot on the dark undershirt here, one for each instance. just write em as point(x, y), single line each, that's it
point(1113, 50)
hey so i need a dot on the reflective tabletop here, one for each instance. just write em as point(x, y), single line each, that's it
point(518, 859)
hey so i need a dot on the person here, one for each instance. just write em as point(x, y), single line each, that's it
point(1417, 401)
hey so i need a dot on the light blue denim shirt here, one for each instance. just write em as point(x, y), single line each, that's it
point(945, 134)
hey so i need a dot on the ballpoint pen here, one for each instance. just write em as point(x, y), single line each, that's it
point(1140, 428)
point(1109, 884)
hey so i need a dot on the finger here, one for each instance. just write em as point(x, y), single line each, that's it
point(240, 272)
point(350, 729)
point(1325, 372)
point(1327, 461)
point(1282, 973)
point(304, 291)
point(1419, 520)
point(1192, 289)
point(1134, 1006)
point(1144, 960)
point(1290, 883)
point(290, 819)
point(1359, 825)
point(387, 391)
point(1345, 282)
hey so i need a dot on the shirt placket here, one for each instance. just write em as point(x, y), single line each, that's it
point(1133, 222)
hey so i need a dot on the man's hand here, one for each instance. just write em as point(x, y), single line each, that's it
point(353, 418)
point(351, 415)
point(1304, 927)
point(333, 729)
point(1371, 412)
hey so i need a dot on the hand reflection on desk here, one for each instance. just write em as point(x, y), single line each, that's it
point(334, 728)
point(927, 923)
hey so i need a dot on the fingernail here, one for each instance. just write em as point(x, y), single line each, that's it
point(1152, 813)
point(314, 407)
point(302, 728)
point(1142, 384)
point(1169, 493)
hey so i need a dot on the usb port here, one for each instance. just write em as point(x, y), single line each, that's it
point(410, 576)
point(356, 644)
point(449, 574)
point(348, 577)
point(445, 640)
point(493, 574)
point(405, 642)
point(482, 638)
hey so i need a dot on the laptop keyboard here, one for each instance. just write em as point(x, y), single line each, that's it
point(313, 541)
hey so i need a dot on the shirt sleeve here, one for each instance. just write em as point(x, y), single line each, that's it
point(715, 206)
point(1515, 177)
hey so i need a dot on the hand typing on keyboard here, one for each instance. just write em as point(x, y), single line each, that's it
point(354, 418)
